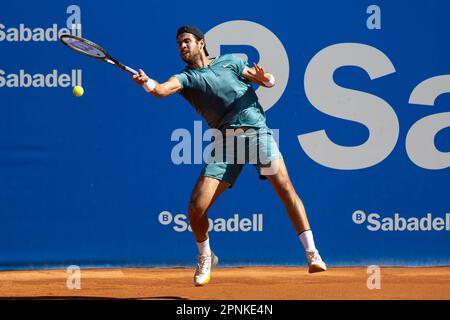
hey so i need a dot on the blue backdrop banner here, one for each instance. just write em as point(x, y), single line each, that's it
point(360, 111)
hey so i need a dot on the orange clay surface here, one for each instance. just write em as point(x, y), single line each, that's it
point(246, 283)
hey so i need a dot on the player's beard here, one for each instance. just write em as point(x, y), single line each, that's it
point(192, 57)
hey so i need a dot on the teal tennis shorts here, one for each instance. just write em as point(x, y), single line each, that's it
point(232, 151)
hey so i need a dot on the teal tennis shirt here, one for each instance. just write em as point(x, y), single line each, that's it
point(221, 95)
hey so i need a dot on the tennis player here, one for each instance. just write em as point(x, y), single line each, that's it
point(220, 90)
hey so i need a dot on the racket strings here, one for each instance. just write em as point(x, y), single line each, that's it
point(82, 46)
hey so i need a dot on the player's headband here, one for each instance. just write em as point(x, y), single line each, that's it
point(195, 31)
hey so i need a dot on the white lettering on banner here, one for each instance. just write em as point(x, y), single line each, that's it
point(375, 222)
point(420, 139)
point(188, 144)
point(25, 34)
point(51, 80)
point(234, 224)
point(272, 55)
point(74, 20)
point(374, 21)
point(181, 152)
point(371, 111)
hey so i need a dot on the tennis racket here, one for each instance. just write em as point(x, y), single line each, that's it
point(92, 50)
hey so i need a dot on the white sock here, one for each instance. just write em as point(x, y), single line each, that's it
point(203, 248)
point(307, 240)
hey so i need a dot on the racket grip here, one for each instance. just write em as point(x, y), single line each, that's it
point(130, 70)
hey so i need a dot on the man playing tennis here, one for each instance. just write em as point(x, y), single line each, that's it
point(220, 90)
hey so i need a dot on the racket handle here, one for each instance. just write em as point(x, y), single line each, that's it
point(130, 70)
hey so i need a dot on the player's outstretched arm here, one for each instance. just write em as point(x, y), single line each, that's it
point(157, 89)
point(259, 76)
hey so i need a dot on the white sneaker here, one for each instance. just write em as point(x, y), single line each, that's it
point(315, 262)
point(203, 271)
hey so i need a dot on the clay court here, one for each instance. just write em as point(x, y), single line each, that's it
point(247, 283)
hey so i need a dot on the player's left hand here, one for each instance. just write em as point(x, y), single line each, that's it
point(259, 74)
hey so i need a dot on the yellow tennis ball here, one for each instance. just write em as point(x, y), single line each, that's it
point(78, 91)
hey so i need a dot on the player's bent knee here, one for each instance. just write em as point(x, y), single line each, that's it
point(196, 210)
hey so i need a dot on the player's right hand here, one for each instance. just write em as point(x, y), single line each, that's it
point(140, 78)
